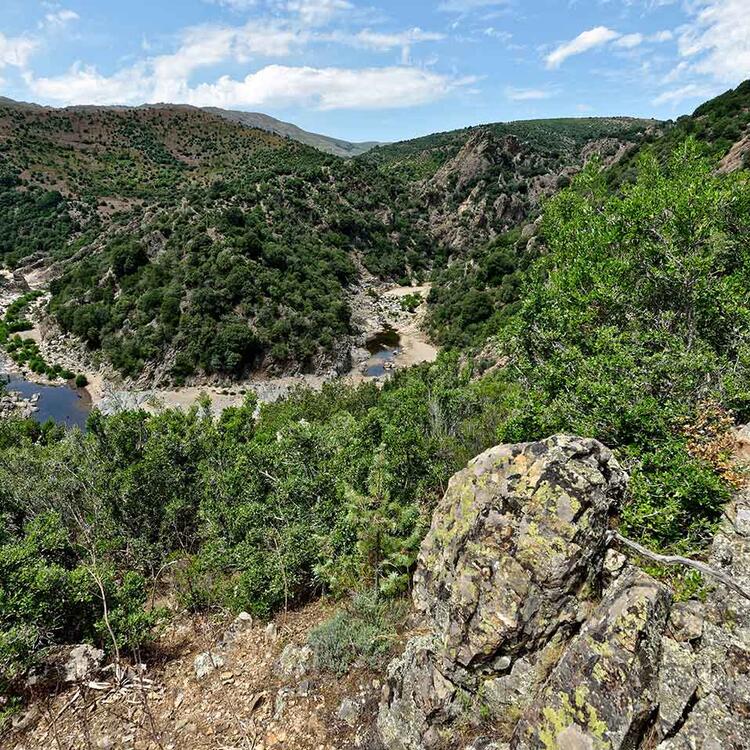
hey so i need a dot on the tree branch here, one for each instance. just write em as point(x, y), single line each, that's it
point(686, 561)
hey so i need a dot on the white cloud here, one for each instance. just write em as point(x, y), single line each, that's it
point(585, 41)
point(234, 4)
point(317, 12)
point(464, 6)
point(273, 85)
point(384, 41)
point(59, 18)
point(16, 51)
point(662, 36)
point(629, 41)
point(690, 91)
point(522, 95)
point(718, 39)
point(83, 84)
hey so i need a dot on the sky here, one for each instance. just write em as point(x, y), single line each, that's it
point(379, 69)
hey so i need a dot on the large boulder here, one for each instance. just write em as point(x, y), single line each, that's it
point(604, 692)
point(705, 667)
point(534, 633)
point(510, 568)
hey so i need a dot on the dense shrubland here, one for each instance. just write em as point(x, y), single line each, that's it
point(633, 326)
point(198, 243)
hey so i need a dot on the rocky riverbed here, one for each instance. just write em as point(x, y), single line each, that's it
point(375, 308)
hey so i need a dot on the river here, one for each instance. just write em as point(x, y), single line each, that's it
point(62, 404)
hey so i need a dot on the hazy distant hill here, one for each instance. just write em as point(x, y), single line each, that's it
point(334, 146)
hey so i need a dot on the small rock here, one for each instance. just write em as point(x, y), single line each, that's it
point(271, 633)
point(348, 712)
point(742, 521)
point(244, 620)
point(26, 719)
point(295, 661)
point(686, 621)
point(206, 663)
point(614, 562)
point(83, 662)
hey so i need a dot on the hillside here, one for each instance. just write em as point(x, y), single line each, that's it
point(478, 182)
point(334, 146)
point(720, 124)
point(184, 244)
point(537, 541)
point(144, 213)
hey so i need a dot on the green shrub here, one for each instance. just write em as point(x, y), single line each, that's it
point(81, 380)
point(364, 629)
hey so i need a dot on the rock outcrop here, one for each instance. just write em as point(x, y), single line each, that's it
point(535, 634)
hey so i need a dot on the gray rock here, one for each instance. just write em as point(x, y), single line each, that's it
point(295, 661)
point(515, 549)
point(348, 712)
point(534, 635)
point(678, 683)
point(717, 632)
point(686, 621)
point(206, 663)
point(603, 692)
point(83, 663)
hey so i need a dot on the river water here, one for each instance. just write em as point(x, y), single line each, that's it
point(62, 404)
point(382, 347)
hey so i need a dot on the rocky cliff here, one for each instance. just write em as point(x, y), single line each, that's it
point(537, 634)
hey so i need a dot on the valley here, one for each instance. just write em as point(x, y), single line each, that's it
point(438, 446)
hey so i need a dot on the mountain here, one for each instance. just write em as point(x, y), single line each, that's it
point(538, 540)
point(721, 124)
point(334, 146)
point(479, 182)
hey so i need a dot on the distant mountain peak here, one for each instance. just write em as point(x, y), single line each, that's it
point(335, 146)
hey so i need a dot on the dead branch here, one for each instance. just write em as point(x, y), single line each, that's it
point(707, 570)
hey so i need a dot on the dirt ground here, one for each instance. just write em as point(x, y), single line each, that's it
point(245, 703)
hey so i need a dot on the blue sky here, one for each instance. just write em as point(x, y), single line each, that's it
point(379, 69)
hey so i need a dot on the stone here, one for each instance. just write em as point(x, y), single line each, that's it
point(603, 692)
point(295, 661)
point(348, 712)
point(678, 683)
point(686, 621)
point(533, 634)
point(206, 663)
point(514, 552)
point(518, 534)
point(83, 663)
point(271, 634)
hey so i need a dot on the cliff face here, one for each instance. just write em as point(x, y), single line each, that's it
point(495, 183)
point(538, 635)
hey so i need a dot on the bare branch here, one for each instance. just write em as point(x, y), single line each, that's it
point(686, 561)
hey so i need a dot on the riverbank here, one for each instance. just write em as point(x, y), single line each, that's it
point(375, 308)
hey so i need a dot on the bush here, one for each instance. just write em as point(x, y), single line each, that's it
point(364, 629)
point(81, 381)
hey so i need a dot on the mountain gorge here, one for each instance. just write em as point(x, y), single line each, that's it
point(183, 244)
point(539, 538)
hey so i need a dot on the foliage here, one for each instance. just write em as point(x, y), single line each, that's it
point(365, 629)
point(477, 295)
point(637, 316)
point(326, 491)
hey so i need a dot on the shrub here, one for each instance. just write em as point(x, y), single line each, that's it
point(364, 629)
point(81, 380)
